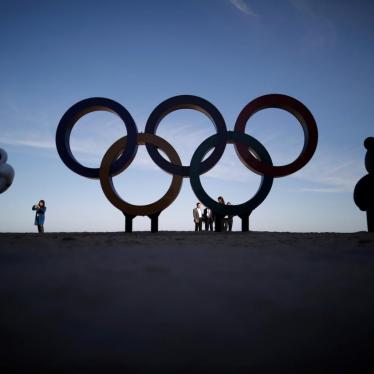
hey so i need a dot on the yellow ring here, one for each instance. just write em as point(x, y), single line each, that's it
point(110, 192)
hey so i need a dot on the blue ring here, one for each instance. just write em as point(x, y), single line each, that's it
point(71, 117)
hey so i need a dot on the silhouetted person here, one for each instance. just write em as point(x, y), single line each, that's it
point(364, 191)
point(229, 221)
point(208, 219)
point(198, 217)
point(219, 219)
point(40, 215)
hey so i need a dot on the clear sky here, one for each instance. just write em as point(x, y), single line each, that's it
point(139, 53)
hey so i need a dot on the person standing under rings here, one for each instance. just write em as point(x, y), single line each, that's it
point(219, 218)
point(229, 221)
point(40, 209)
point(208, 219)
point(198, 217)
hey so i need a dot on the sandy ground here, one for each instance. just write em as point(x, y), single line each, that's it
point(187, 303)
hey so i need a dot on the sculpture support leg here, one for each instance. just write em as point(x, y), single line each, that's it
point(370, 219)
point(128, 222)
point(154, 221)
point(245, 222)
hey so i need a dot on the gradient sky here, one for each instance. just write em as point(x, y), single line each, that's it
point(139, 53)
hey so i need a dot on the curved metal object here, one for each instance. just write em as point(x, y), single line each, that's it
point(302, 114)
point(242, 209)
point(6, 172)
point(107, 182)
point(186, 102)
point(122, 152)
point(3, 156)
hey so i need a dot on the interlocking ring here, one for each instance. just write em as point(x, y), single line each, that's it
point(107, 181)
point(250, 151)
point(186, 102)
point(303, 115)
point(266, 181)
point(71, 117)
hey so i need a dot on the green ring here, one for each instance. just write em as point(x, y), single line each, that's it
point(236, 210)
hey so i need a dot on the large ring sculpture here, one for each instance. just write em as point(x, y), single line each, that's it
point(250, 151)
point(242, 210)
point(6, 172)
point(302, 114)
point(151, 210)
point(71, 117)
point(186, 102)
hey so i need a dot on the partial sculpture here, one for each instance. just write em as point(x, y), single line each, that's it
point(6, 172)
point(364, 191)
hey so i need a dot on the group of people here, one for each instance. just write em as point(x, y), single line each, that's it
point(200, 216)
point(208, 217)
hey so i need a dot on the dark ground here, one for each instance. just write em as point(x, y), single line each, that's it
point(187, 303)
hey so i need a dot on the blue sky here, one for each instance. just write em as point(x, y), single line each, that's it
point(55, 53)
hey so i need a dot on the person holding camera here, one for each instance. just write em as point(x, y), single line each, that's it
point(40, 209)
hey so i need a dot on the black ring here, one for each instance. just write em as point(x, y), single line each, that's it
point(266, 181)
point(186, 102)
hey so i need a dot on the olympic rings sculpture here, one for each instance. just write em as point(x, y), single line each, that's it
point(249, 150)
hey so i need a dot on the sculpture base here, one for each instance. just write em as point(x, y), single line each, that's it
point(129, 218)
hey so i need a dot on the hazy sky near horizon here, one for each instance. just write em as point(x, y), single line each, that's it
point(139, 53)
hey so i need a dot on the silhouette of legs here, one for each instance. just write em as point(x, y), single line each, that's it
point(209, 224)
point(199, 225)
point(218, 224)
point(229, 224)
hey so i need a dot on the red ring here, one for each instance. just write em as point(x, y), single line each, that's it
point(302, 114)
